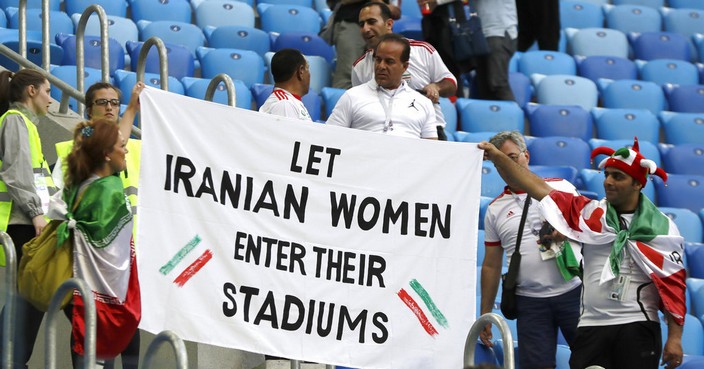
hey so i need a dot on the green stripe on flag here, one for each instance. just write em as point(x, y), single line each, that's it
point(168, 267)
point(437, 314)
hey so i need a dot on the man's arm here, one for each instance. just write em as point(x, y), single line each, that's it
point(515, 175)
point(131, 111)
point(672, 351)
point(491, 273)
point(444, 88)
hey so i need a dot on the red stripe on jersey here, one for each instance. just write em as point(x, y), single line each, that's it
point(281, 95)
point(361, 57)
point(422, 44)
point(492, 244)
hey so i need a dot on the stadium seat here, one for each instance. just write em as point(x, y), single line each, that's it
point(659, 45)
point(695, 260)
point(238, 37)
point(483, 205)
point(624, 124)
point(196, 87)
point(685, 99)
point(92, 52)
point(593, 181)
point(59, 22)
point(320, 71)
point(307, 43)
point(684, 159)
point(648, 149)
point(562, 357)
point(597, 41)
point(119, 28)
point(521, 87)
point(489, 115)
point(657, 4)
point(288, 18)
point(181, 62)
point(244, 65)
point(694, 285)
point(410, 9)
point(35, 53)
point(546, 62)
point(409, 27)
point(682, 191)
point(687, 222)
point(111, 7)
point(565, 172)
point(681, 128)
point(306, 3)
point(311, 100)
point(3, 19)
point(669, 71)
point(125, 80)
point(449, 112)
point(608, 67)
point(492, 183)
point(559, 120)
point(480, 248)
point(484, 355)
point(559, 151)
point(689, 4)
point(686, 22)
point(157, 10)
point(171, 32)
point(218, 13)
point(562, 89)
point(580, 14)
point(462, 136)
point(633, 18)
point(330, 95)
point(67, 73)
point(698, 39)
point(31, 4)
point(632, 94)
point(692, 335)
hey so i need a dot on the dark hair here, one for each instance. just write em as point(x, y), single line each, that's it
point(90, 94)
point(14, 85)
point(383, 8)
point(285, 63)
point(92, 140)
point(395, 37)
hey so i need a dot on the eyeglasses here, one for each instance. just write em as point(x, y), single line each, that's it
point(103, 102)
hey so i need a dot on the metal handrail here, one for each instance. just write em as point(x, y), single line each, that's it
point(478, 326)
point(46, 44)
point(80, 48)
point(89, 342)
point(229, 86)
point(176, 343)
point(8, 327)
point(163, 61)
point(22, 32)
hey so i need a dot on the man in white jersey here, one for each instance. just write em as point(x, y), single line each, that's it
point(547, 288)
point(426, 71)
point(387, 104)
point(632, 261)
point(291, 81)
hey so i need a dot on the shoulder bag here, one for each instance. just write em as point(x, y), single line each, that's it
point(467, 36)
point(509, 308)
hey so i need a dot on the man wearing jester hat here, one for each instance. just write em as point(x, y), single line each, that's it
point(632, 261)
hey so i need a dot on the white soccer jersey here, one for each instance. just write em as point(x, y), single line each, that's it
point(285, 104)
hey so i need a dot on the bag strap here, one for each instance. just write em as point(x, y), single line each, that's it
point(512, 274)
point(456, 8)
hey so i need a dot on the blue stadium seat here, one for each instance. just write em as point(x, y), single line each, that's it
point(580, 14)
point(462, 136)
point(546, 62)
point(489, 115)
point(624, 124)
point(125, 80)
point(288, 18)
point(597, 41)
point(409, 27)
point(34, 53)
point(481, 250)
point(31, 4)
point(521, 87)
point(687, 222)
point(67, 73)
point(694, 286)
point(566, 172)
point(311, 100)
point(92, 52)
point(306, 3)
point(685, 99)
point(330, 95)
point(632, 94)
point(659, 45)
point(218, 13)
point(156, 10)
point(484, 355)
point(686, 22)
point(181, 62)
point(672, 71)
point(648, 149)
point(559, 120)
point(695, 260)
point(320, 73)
point(308, 43)
point(119, 28)
point(483, 205)
point(633, 18)
point(244, 65)
point(681, 128)
point(410, 9)
point(562, 89)
point(3, 19)
point(238, 37)
point(692, 335)
point(562, 357)
point(172, 32)
point(682, 191)
point(608, 67)
point(449, 111)
point(492, 183)
point(59, 22)
point(657, 4)
point(698, 39)
point(690, 4)
point(111, 7)
point(593, 181)
point(196, 87)
point(683, 158)
point(567, 151)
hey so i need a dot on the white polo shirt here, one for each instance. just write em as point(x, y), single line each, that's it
point(400, 112)
point(285, 104)
point(424, 67)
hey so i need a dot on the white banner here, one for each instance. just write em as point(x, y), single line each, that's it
point(305, 241)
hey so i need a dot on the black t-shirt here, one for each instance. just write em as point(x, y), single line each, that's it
point(350, 13)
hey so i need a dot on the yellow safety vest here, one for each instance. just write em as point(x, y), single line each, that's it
point(39, 165)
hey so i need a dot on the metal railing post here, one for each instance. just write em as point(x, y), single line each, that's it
point(46, 43)
point(478, 326)
point(229, 86)
point(90, 323)
point(176, 343)
point(295, 364)
point(8, 327)
point(163, 61)
point(22, 33)
point(80, 48)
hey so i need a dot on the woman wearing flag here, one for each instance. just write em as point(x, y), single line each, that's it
point(101, 225)
point(632, 263)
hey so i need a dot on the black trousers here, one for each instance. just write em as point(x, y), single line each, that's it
point(538, 20)
point(625, 346)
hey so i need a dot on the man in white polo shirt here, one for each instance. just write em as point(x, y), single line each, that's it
point(387, 104)
point(291, 81)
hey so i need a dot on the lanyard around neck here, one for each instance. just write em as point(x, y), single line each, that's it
point(388, 108)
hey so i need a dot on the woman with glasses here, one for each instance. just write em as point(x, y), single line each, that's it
point(25, 185)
